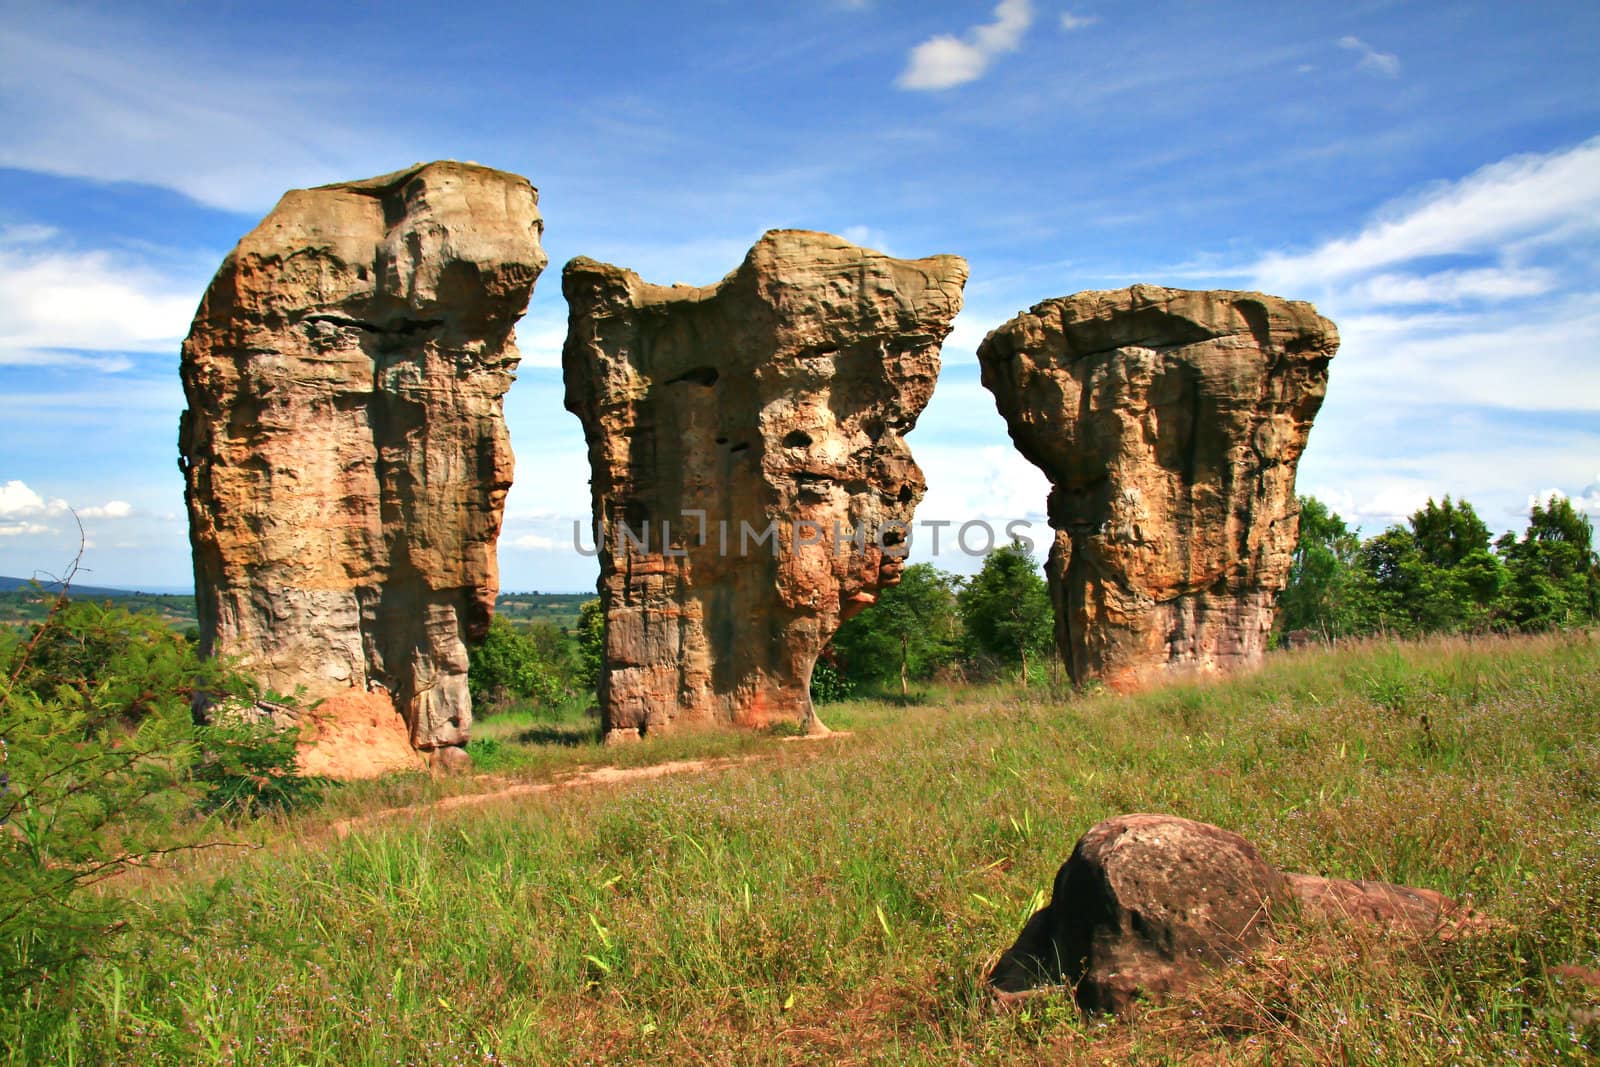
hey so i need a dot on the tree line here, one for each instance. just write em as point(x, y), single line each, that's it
point(1440, 572)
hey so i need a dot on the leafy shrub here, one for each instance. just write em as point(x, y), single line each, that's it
point(828, 686)
point(537, 662)
point(106, 769)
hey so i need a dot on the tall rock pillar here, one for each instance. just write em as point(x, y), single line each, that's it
point(344, 450)
point(1169, 423)
point(748, 462)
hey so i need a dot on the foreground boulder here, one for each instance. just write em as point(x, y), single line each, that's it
point(739, 435)
point(1170, 423)
point(1143, 905)
point(1146, 904)
point(344, 451)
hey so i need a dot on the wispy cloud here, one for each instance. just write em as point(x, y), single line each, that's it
point(1457, 286)
point(946, 61)
point(1528, 199)
point(84, 308)
point(96, 96)
point(1384, 64)
point(1071, 21)
point(1470, 318)
point(111, 509)
point(868, 237)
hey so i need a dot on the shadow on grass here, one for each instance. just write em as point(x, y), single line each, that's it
point(565, 735)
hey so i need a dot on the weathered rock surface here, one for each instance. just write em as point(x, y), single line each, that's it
point(1395, 907)
point(1147, 903)
point(1170, 423)
point(344, 449)
point(775, 400)
point(1143, 905)
point(357, 735)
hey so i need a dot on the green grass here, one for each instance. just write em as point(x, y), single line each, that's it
point(838, 902)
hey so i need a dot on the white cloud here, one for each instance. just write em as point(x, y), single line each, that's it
point(1384, 64)
point(946, 61)
point(62, 304)
point(98, 96)
point(535, 543)
point(1544, 197)
point(1456, 286)
point(17, 499)
point(111, 509)
point(22, 529)
point(1503, 360)
point(1511, 322)
point(539, 339)
point(1470, 322)
point(1071, 21)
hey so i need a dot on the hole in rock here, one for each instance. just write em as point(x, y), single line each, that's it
point(697, 375)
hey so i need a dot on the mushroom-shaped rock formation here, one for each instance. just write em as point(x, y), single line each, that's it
point(751, 482)
point(344, 447)
point(1169, 423)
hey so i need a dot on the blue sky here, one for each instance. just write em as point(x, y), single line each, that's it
point(1428, 174)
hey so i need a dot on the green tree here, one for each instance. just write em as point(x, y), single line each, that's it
point(1448, 534)
point(102, 767)
point(1326, 591)
point(1005, 608)
point(591, 644)
point(1434, 575)
point(1554, 573)
point(514, 661)
point(912, 629)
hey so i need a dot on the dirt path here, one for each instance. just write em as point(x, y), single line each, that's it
point(570, 780)
point(573, 780)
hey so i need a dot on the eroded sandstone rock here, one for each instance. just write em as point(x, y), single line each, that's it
point(1147, 904)
point(1169, 423)
point(1144, 904)
point(738, 435)
point(344, 449)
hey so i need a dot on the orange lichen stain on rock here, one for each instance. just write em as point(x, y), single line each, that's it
point(357, 735)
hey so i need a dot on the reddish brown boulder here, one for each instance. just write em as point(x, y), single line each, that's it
point(344, 450)
point(1143, 905)
point(1170, 423)
point(1146, 904)
point(1395, 907)
point(739, 435)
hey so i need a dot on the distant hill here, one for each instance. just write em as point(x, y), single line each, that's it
point(13, 585)
point(21, 603)
point(560, 609)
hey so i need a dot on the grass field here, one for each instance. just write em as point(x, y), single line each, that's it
point(838, 901)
